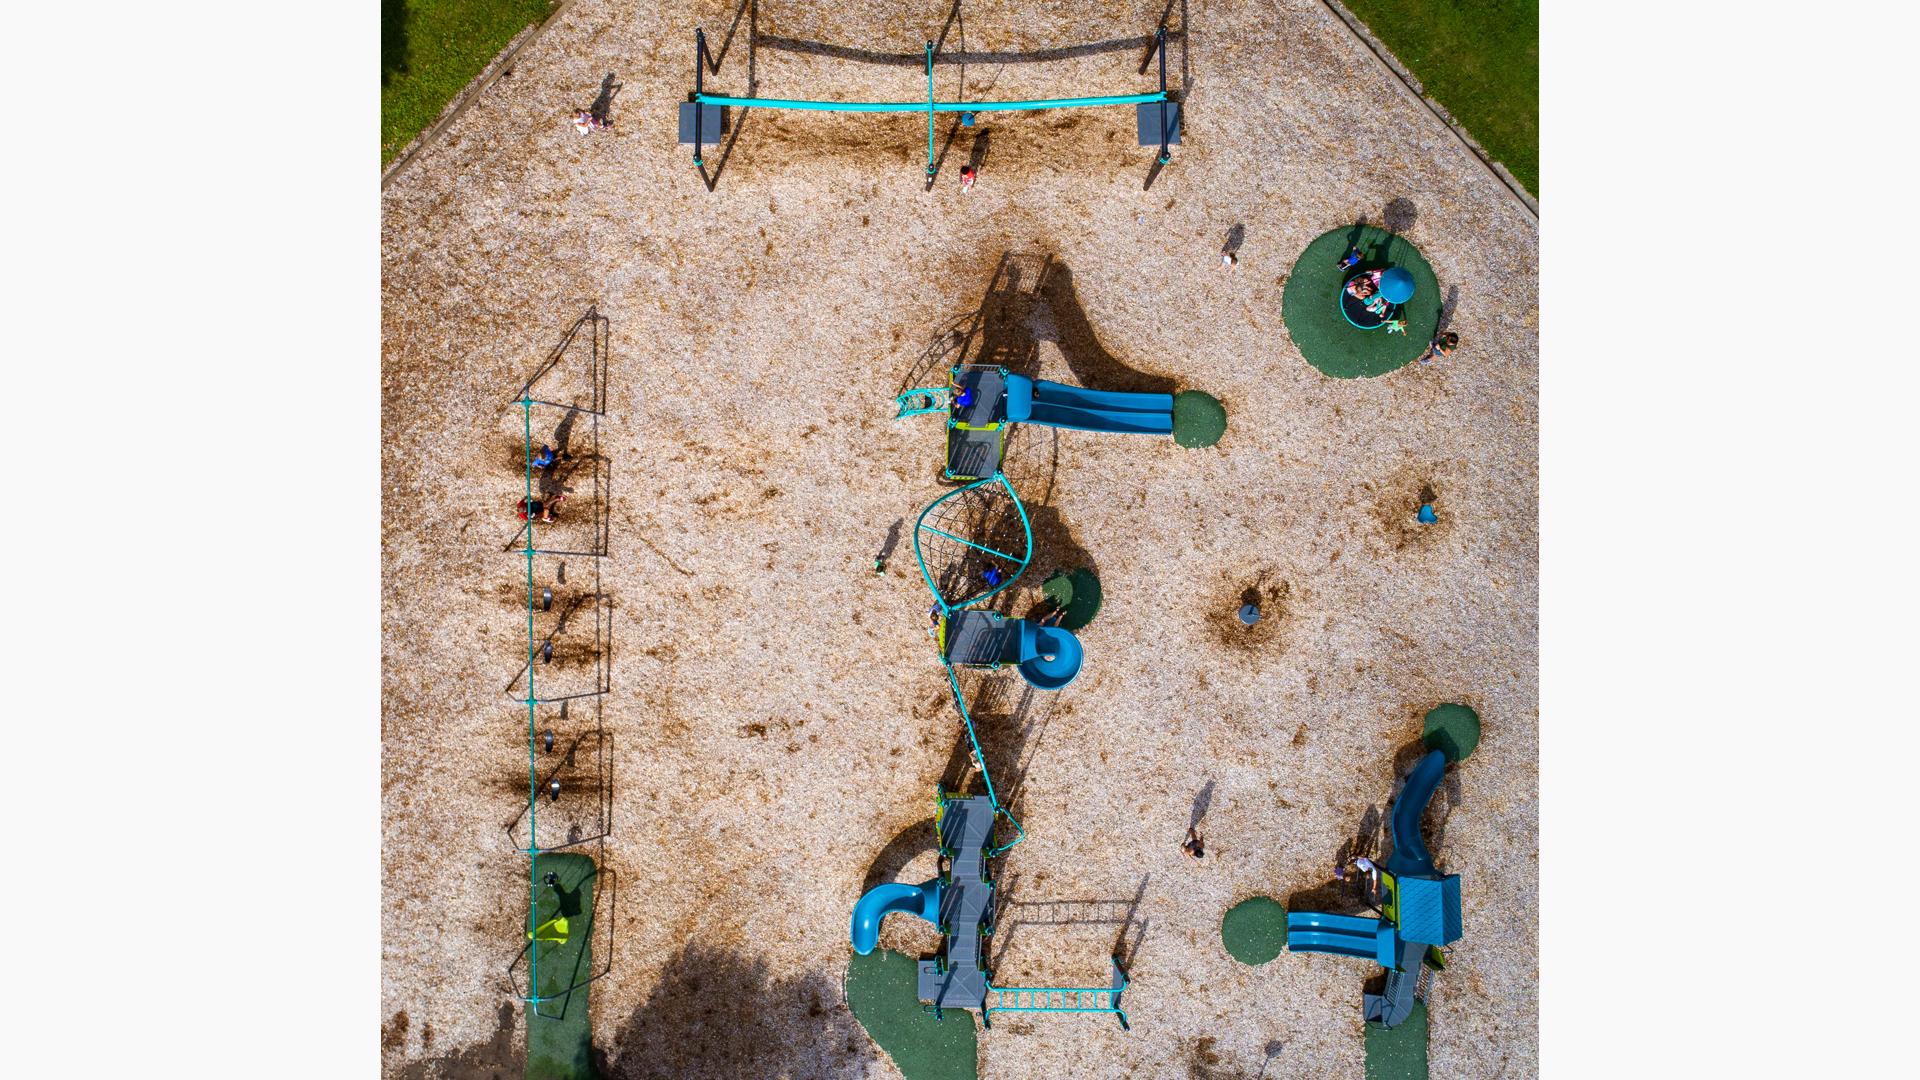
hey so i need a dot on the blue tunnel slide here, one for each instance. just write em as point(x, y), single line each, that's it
point(883, 900)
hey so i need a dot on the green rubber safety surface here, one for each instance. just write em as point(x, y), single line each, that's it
point(1077, 591)
point(1198, 419)
point(1452, 729)
point(882, 991)
point(1311, 304)
point(559, 1038)
point(1399, 1053)
point(1255, 929)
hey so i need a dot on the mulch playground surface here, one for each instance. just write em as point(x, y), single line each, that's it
point(777, 718)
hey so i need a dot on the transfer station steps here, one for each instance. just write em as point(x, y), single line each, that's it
point(957, 979)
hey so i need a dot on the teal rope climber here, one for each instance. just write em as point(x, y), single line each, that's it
point(980, 758)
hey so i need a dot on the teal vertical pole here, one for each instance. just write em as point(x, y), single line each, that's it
point(929, 111)
point(533, 768)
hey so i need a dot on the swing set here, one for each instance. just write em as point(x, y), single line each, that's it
point(703, 118)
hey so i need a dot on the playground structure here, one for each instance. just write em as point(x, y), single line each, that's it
point(703, 119)
point(559, 929)
point(972, 543)
point(1420, 909)
point(980, 400)
point(1387, 291)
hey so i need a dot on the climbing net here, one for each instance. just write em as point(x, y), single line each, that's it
point(972, 542)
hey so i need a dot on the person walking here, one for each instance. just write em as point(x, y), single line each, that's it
point(553, 790)
point(1440, 347)
point(1194, 845)
point(1350, 260)
point(535, 510)
point(967, 177)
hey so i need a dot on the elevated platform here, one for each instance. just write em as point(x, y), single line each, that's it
point(958, 979)
point(982, 638)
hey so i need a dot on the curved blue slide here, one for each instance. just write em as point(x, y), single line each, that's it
point(1058, 405)
point(883, 900)
point(1341, 935)
point(1410, 857)
point(1049, 655)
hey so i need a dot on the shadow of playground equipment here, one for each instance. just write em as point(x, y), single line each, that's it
point(501, 1056)
point(1030, 298)
point(717, 1014)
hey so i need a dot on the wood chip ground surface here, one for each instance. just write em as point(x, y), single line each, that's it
point(777, 718)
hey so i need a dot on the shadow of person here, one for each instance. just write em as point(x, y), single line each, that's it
point(1400, 215)
point(1235, 237)
point(1201, 803)
point(602, 107)
point(1446, 308)
point(977, 153)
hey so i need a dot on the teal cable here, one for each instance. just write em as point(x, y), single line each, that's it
point(936, 106)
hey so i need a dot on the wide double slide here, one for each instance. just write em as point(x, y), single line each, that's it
point(1341, 935)
point(1053, 404)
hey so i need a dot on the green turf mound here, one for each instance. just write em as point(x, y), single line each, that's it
point(1399, 1053)
point(881, 991)
point(1311, 304)
point(1453, 730)
point(559, 1040)
point(1255, 929)
point(1076, 590)
point(1198, 419)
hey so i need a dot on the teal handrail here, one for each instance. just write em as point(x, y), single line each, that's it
point(929, 112)
point(980, 757)
point(934, 106)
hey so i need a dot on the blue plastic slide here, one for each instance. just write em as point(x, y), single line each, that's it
point(1058, 405)
point(1341, 935)
point(883, 900)
point(1409, 857)
point(1049, 655)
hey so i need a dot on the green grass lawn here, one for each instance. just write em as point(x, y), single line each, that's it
point(431, 49)
point(1478, 58)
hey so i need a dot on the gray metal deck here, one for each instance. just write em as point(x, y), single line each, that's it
point(989, 402)
point(974, 455)
point(982, 637)
point(958, 980)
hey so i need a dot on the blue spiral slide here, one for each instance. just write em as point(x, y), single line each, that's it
point(883, 900)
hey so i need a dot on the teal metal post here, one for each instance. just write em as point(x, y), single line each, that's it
point(929, 112)
point(533, 767)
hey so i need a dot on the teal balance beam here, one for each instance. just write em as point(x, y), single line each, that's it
point(923, 106)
